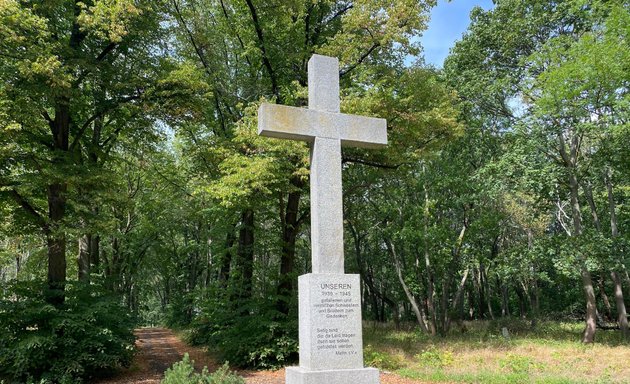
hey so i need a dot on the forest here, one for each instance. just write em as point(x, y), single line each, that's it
point(135, 190)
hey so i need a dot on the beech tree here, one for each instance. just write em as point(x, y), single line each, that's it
point(76, 77)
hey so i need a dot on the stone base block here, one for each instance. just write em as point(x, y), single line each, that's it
point(298, 375)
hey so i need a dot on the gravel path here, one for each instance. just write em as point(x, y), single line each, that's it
point(159, 348)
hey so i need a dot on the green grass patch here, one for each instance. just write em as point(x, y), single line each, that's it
point(550, 353)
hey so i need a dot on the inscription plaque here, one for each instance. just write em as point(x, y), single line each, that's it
point(330, 322)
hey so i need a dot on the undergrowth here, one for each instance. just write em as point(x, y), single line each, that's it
point(183, 372)
point(88, 335)
point(549, 353)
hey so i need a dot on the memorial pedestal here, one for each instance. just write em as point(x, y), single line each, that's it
point(331, 342)
point(299, 375)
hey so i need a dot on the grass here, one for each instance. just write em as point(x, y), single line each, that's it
point(551, 353)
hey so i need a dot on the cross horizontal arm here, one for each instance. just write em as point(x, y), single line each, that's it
point(293, 123)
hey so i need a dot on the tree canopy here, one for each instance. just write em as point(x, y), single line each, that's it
point(129, 161)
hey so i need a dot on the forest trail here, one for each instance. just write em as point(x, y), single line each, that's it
point(160, 348)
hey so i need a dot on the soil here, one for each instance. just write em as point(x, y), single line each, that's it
point(159, 348)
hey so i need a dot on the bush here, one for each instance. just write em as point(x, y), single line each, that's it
point(519, 364)
point(381, 360)
point(436, 358)
point(89, 334)
point(183, 372)
point(253, 335)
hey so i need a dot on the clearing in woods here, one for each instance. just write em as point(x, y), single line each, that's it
point(159, 348)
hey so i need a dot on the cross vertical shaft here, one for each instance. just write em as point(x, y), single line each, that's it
point(326, 130)
point(326, 195)
point(326, 226)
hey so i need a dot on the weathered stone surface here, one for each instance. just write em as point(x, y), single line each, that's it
point(331, 343)
point(292, 123)
point(326, 207)
point(330, 322)
point(323, 83)
point(326, 129)
point(298, 375)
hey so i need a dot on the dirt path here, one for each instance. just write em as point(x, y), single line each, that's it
point(159, 348)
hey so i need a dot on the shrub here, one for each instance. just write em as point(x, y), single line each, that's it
point(519, 364)
point(381, 360)
point(183, 372)
point(434, 357)
point(253, 334)
point(89, 334)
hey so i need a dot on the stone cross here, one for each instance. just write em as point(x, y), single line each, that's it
point(326, 129)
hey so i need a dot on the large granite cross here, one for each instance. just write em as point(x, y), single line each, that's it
point(326, 130)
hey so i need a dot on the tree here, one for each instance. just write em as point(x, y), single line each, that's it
point(552, 66)
point(76, 77)
point(248, 52)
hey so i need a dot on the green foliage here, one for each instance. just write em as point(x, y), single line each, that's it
point(253, 334)
point(183, 372)
point(178, 311)
point(550, 353)
point(518, 364)
point(434, 357)
point(90, 334)
point(380, 359)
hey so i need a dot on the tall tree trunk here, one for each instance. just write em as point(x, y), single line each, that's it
point(226, 260)
point(432, 315)
point(56, 242)
point(93, 257)
point(246, 253)
point(505, 298)
point(83, 259)
point(18, 265)
point(395, 313)
point(570, 160)
point(115, 268)
point(622, 316)
point(521, 301)
point(488, 294)
point(445, 316)
point(56, 191)
point(55, 233)
point(479, 299)
point(290, 229)
point(470, 293)
point(481, 288)
point(366, 273)
point(604, 296)
point(458, 303)
point(431, 312)
point(95, 253)
point(417, 309)
point(535, 296)
point(591, 307)
point(588, 193)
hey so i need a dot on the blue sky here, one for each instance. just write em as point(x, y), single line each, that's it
point(448, 22)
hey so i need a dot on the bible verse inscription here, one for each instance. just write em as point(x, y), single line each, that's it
point(334, 305)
